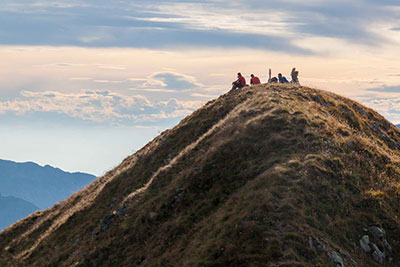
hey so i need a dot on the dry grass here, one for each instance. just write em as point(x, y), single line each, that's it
point(245, 180)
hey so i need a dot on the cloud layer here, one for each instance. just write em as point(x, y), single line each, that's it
point(99, 106)
point(388, 107)
point(272, 24)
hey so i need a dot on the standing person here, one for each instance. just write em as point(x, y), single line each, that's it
point(239, 83)
point(295, 76)
point(254, 80)
point(282, 79)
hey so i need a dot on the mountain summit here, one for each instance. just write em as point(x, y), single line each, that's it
point(275, 175)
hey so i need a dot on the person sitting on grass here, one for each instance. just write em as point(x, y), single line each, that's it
point(282, 79)
point(274, 80)
point(239, 83)
point(254, 80)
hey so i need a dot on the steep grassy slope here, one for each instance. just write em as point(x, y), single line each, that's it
point(268, 176)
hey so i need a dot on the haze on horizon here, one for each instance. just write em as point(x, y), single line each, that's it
point(85, 83)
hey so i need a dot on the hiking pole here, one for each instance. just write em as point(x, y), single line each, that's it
point(270, 73)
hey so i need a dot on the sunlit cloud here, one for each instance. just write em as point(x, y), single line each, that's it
point(154, 90)
point(207, 16)
point(170, 79)
point(388, 107)
point(166, 82)
point(204, 95)
point(99, 106)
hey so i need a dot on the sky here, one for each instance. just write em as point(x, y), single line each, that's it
point(83, 84)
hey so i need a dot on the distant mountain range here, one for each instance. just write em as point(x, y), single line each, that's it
point(13, 209)
point(27, 187)
point(42, 186)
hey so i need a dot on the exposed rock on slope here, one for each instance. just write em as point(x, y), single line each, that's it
point(271, 176)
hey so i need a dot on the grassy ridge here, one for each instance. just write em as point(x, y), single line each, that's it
point(249, 179)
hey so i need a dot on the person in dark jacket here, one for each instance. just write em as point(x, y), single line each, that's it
point(282, 79)
point(274, 80)
point(239, 83)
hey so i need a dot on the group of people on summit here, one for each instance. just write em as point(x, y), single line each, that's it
point(254, 80)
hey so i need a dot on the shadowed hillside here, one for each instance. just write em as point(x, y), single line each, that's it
point(274, 175)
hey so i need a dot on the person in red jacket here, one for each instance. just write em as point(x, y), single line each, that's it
point(239, 83)
point(254, 80)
